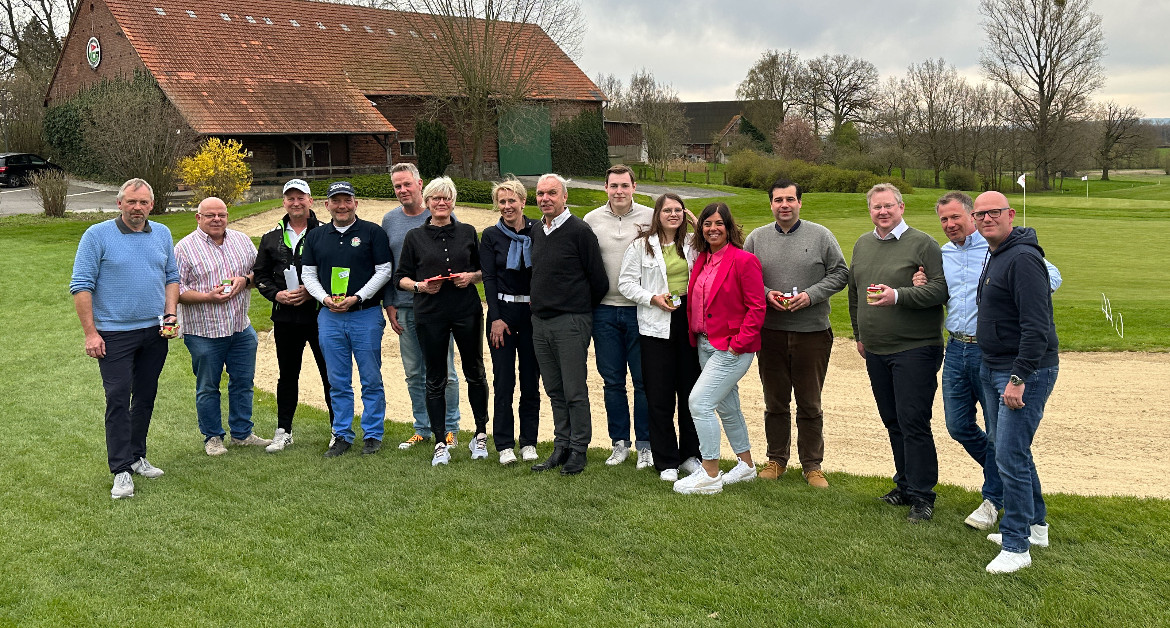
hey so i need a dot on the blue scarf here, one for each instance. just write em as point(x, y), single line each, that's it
point(520, 250)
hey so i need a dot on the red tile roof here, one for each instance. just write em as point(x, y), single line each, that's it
point(292, 66)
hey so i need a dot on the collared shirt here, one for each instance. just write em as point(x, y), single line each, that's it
point(795, 226)
point(697, 302)
point(203, 265)
point(558, 221)
point(895, 233)
point(962, 265)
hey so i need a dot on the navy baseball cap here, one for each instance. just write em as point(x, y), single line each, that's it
point(340, 187)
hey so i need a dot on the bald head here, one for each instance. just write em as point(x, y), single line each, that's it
point(993, 216)
point(212, 217)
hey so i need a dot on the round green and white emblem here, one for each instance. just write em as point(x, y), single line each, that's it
point(93, 52)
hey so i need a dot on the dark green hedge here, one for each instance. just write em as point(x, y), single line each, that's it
point(580, 146)
point(430, 142)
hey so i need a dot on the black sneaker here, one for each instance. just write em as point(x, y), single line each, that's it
point(371, 446)
point(920, 511)
point(337, 447)
point(895, 498)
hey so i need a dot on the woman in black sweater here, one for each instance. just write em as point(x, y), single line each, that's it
point(440, 264)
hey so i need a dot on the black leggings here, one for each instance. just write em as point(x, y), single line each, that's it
point(434, 334)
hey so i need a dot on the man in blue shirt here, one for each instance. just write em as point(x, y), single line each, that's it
point(125, 284)
point(964, 257)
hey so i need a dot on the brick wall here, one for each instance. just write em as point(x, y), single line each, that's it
point(118, 57)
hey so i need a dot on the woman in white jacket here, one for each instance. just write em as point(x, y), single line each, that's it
point(654, 274)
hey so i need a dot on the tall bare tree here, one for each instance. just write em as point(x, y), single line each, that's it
point(1118, 134)
point(770, 88)
point(1047, 53)
point(31, 33)
point(841, 87)
point(894, 124)
point(481, 58)
point(613, 89)
point(657, 107)
point(935, 96)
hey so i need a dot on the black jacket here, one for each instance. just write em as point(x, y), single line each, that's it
point(273, 257)
point(1015, 328)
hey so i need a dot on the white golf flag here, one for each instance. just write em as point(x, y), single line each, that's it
point(1085, 178)
point(1021, 181)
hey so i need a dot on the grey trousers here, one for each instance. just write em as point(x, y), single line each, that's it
point(561, 344)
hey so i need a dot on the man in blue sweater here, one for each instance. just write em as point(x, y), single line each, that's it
point(125, 289)
point(1017, 336)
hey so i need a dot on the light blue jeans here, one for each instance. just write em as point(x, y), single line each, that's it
point(1023, 499)
point(209, 358)
point(346, 338)
point(416, 377)
point(717, 390)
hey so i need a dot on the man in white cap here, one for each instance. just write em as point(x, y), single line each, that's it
point(294, 312)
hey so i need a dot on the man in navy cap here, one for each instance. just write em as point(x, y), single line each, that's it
point(346, 265)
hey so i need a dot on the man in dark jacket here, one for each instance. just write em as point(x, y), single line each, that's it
point(1017, 336)
point(294, 312)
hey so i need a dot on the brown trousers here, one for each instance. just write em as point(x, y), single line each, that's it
point(795, 362)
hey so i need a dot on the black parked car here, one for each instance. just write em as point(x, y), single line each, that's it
point(16, 168)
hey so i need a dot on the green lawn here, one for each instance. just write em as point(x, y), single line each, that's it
point(292, 539)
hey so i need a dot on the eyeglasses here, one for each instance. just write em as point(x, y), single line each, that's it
point(992, 213)
point(673, 210)
point(886, 207)
point(215, 216)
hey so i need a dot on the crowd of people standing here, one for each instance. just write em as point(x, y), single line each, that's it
point(676, 305)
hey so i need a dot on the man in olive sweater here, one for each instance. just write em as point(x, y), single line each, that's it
point(568, 281)
point(803, 267)
point(898, 329)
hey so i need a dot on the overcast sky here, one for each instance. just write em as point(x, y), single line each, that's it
point(704, 49)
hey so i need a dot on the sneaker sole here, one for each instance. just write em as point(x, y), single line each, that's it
point(978, 525)
point(121, 496)
point(702, 490)
point(727, 480)
point(479, 455)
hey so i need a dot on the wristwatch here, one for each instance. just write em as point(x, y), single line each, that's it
point(1016, 380)
point(416, 289)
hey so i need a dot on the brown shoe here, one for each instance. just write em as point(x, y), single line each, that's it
point(772, 471)
point(816, 479)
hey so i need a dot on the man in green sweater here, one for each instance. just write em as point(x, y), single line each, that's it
point(898, 329)
point(803, 267)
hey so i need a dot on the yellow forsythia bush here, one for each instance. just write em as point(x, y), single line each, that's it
point(217, 169)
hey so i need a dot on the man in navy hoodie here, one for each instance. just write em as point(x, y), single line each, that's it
point(1017, 336)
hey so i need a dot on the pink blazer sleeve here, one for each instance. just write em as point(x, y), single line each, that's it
point(750, 275)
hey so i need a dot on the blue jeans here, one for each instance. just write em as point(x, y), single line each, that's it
point(416, 377)
point(1023, 502)
point(616, 346)
point(717, 390)
point(963, 394)
point(209, 358)
point(357, 334)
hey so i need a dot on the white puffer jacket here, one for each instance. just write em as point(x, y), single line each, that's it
point(644, 275)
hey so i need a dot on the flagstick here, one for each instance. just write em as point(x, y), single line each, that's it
point(1024, 213)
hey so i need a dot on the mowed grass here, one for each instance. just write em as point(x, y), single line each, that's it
point(292, 539)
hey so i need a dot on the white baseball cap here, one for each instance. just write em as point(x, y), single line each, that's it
point(296, 184)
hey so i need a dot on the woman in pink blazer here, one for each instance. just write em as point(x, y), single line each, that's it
point(725, 313)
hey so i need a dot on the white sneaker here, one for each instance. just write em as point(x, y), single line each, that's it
point(506, 457)
point(1037, 537)
point(145, 469)
point(742, 472)
point(669, 475)
point(645, 459)
point(442, 455)
point(621, 451)
point(699, 483)
point(1009, 562)
point(214, 446)
point(280, 440)
point(984, 516)
point(123, 486)
point(528, 453)
point(690, 465)
point(478, 446)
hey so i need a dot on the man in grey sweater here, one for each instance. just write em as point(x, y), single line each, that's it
point(803, 267)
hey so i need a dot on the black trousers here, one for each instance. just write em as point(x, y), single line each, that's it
point(517, 350)
point(130, 370)
point(434, 334)
point(669, 370)
point(903, 385)
point(290, 350)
